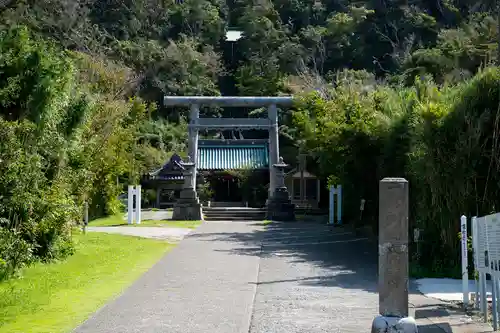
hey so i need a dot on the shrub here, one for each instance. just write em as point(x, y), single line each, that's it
point(444, 140)
point(14, 253)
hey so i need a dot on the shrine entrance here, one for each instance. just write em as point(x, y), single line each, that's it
point(225, 188)
point(188, 206)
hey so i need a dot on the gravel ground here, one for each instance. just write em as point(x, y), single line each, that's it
point(313, 279)
point(174, 234)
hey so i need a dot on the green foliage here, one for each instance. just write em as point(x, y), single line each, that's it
point(14, 252)
point(73, 127)
point(205, 192)
point(444, 140)
point(62, 141)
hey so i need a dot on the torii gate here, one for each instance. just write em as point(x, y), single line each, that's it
point(188, 196)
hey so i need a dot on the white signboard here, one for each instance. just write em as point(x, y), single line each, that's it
point(487, 244)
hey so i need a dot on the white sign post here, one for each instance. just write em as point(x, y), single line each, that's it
point(138, 204)
point(130, 208)
point(331, 216)
point(339, 204)
point(465, 271)
point(134, 192)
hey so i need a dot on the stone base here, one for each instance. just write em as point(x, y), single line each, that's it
point(383, 324)
point(188, 207)
point(279, 206)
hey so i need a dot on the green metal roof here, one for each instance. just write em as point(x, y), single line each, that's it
point(232, 157)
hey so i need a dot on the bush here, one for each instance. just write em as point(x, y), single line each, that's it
point(14, 253)
point(62, 142)
point(444, 140)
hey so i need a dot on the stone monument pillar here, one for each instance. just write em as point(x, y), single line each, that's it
point(273, 147)
point(188, 207)
point(279, 206)
point(393, 259)
point(193, 139)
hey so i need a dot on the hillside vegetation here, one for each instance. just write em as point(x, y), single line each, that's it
point(384, 88)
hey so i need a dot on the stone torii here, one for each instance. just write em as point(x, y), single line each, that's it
point(196, 124)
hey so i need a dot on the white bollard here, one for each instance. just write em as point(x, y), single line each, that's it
point(130, 208)
point(331, 216)
point(465, 272)
point(339, 204)
point(138, 204)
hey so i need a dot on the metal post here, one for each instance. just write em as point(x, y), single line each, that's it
point(494, 295)
point(484, 296)
point(193, 139)
point(138, 204)
point(465, 271)
point(487, 265)
point(497, 284)
point(130, 208)
point(273, 146)
point(339, 204)
point(475, 255)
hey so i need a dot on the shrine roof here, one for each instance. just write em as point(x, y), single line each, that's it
point(232, 154)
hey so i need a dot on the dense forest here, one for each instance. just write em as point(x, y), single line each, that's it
point(383, 88)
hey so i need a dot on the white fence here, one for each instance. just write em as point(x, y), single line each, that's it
point(486, 255)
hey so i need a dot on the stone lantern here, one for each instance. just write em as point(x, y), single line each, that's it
point(188, 207)
point(280, 207)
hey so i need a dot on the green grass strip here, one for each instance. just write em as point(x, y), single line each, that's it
point(57, 297)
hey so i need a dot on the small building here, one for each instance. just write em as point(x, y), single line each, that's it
point(220, 166)
point(304, 194)
point(166, 181)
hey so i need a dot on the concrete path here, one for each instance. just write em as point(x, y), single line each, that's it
point(174, 234)
point(202, 285)
point(239, 277)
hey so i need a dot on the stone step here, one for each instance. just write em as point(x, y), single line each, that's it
point(234, 218)
point(236, 215)
point(226, 204)
point(233, 214)
point(233, 209)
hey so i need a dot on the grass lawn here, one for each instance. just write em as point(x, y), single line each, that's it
point(118, 220)
point(57, 297)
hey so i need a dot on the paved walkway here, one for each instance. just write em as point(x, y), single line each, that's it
point(237, 277)
point(202, 285)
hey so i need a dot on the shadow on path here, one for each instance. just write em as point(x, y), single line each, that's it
point(342, 259)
